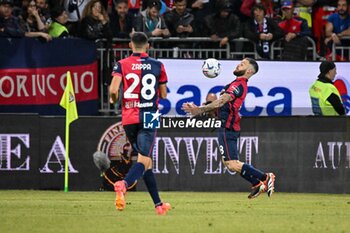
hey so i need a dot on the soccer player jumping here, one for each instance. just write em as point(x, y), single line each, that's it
point(229, 103)
point(144, 82)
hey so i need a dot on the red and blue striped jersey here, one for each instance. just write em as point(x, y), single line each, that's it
point(141, 76)
point(229, 112)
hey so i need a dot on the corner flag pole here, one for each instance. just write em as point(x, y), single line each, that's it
point(68, 102)
point(67, 157)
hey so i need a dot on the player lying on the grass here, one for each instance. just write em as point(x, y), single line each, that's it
point(229, 103)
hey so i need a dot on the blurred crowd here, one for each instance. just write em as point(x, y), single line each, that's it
point(261, 21)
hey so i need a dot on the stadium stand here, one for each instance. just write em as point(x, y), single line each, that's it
point(342, 50)
point(199, 47)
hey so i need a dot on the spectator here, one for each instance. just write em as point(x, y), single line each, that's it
point(18, 6)
point(338, 25)
point(179, 20)
point(54, 3)
point(325, 97)
point(95, 22)
point(32, 23)
point(320, 13)
point(121, 20)
point(58, 27)
point(247, 6)
point(44, 12)
point(303, 9)
point(9, 24)
point(121, 24)
point(223, 26)
point(163, 5)
point(31, 19)
point(262, 30)
point(43, 6)
point(151, 22)
point(95, 25)
point(74, 9)
point(295, 30)
point(134, 6)
point(200, 9)
point(168, 5)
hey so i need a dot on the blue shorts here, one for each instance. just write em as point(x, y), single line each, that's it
point(142, 140)
point(228, 144)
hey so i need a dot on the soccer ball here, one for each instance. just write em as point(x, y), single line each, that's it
point(211, 68)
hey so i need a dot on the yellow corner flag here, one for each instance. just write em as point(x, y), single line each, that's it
point(68, 102)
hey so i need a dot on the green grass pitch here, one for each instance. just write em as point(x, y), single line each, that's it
point(84, 212)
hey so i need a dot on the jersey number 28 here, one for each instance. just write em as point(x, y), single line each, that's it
point(148, 86)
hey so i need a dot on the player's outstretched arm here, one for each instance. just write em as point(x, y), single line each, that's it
point(224, 98)
point(195, 110)
point(191, 108)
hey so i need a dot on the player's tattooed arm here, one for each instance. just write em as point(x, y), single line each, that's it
point(195, 110)
point(224, 98)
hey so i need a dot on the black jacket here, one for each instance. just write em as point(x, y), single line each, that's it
point(93, 29)
point(115, 26)
point(250, 30)
point(222, 27)
point(12, 27)
point(173, 20)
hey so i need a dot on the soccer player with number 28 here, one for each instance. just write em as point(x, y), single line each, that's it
point(229, 103)
point(144, 82)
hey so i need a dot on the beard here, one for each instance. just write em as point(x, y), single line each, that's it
point(343, 13)
point(239, 72)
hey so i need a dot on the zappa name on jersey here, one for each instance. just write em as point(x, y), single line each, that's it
point(137, 104)
point(141, 66)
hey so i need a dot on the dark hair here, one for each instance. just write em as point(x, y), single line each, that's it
point(9, 2)
point(139, 39)
point(177, 1)
point(116, 2)
point(253, 63)
point(222, 5)
point(57, 11)
point(257, 6)
point(326, 66)
point(154, 3)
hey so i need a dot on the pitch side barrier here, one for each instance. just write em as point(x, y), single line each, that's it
point(343, 51)
point(190, 47)
point(280, 88)
point(277, 50)
point(307, 154)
